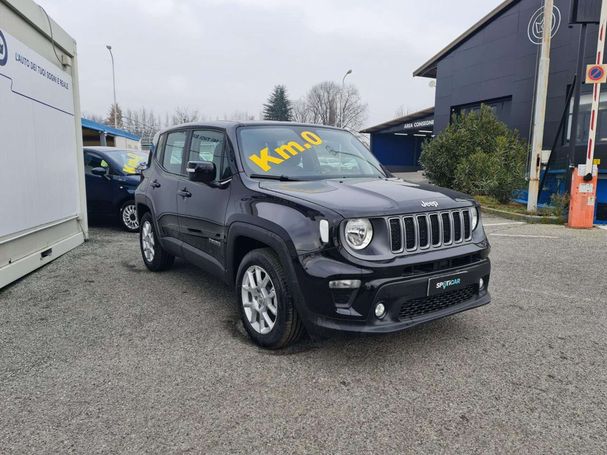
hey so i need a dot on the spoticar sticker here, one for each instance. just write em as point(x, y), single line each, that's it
point(286, 151)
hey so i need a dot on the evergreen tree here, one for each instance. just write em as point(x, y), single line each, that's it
point(279, 106)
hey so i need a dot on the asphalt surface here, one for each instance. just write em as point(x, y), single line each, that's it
point(98, 355)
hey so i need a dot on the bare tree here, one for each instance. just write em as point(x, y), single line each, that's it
point(143, 122)
point(114, 117)
point(301, 113)
point(238, 116)
point(322, 103)
point(94, 117)
point(401, 111)
point(328, 104)
point(352, 112)
point(184, 115)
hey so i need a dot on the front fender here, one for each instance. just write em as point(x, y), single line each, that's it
point(297, 224)
point(272, 235)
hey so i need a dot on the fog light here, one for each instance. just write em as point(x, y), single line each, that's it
point(380, 310)
point(344, 284)
point(481, 284)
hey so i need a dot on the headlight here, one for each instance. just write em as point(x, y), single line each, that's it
point(474, 214)
point(359, 233)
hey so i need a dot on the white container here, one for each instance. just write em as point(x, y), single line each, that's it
point(42, 190)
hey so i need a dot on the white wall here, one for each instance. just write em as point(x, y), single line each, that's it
point(38, 172)
point(42, 191)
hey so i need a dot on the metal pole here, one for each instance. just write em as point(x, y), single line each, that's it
point(341, 99)
point(596, 94)
point(576, 105)
point(115, 109)
point(576, 102)
point(557, 136)
point(539, 115)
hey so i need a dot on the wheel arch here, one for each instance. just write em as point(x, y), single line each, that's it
point(142, 208)
point(244, 237)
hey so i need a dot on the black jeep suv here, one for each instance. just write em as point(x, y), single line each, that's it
point(310, 229)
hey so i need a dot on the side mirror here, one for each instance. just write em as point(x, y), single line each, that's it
point(100, 171)
point(201, 171)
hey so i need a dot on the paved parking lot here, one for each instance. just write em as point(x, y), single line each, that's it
point(99, 355)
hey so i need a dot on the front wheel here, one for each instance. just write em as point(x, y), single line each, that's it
point(266, 305)
point(128, 217)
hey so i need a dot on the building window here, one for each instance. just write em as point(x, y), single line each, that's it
point(581, 136)
point(500, 107)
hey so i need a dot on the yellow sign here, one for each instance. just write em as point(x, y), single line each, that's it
point(285, 151)
point(596, 74)
point(597, 161)
point(130, 167)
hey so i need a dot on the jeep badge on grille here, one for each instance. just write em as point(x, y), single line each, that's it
point(429, 203)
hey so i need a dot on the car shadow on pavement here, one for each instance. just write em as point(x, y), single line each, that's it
point(214, 301)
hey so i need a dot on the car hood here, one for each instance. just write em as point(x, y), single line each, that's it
point(370, 197)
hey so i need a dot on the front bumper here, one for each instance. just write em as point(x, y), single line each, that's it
point(403, 291)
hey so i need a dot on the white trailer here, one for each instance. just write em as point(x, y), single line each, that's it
point(42, 192)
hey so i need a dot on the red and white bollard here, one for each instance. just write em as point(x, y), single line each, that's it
point(585, 178)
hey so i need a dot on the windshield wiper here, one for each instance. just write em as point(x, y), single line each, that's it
point(282, 178)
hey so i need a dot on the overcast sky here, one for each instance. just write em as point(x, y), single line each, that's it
point(223, 56)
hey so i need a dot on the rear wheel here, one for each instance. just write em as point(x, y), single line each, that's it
point(128, 216)
point(154, 256)
point(266, 305)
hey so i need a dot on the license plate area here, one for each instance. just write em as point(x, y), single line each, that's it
point(446, 283)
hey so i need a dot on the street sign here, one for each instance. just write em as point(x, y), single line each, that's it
point(596, 74)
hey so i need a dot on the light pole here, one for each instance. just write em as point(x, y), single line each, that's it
point(341, 99)
point(115, 109)
point(539, 114)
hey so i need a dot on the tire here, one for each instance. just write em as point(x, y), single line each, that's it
point(281, 324)
point(154, 256)
point(128, 217)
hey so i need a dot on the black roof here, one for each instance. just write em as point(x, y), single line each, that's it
point(229, 124)
point(397, 121)
point(106, 149)
point(428, 69)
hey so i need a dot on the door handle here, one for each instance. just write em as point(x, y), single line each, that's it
point(155, 184)
point(184, 193)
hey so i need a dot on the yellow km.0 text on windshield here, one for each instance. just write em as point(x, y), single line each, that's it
point(130, 167)
point(285, 151)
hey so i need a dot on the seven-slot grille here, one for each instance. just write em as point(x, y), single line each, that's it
point(429, 230)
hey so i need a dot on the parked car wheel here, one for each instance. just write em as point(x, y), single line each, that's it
point(128, 216)
point(266, 305)
point(154, 256)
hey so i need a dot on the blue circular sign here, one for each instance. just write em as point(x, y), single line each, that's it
point(3, 50)
point(596, 73)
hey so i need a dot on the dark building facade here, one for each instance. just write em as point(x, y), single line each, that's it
point(495, 63)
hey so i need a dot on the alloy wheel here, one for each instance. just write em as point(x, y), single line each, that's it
point(129, 217)
point(147, 241)
point(259, 299)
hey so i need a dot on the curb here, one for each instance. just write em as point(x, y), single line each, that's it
point(532, 219)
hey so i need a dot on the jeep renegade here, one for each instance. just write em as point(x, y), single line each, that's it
point(310, 229)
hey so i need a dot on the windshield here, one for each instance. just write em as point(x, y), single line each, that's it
point(305, 153)
point(128, 160)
